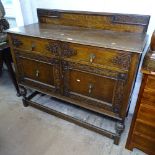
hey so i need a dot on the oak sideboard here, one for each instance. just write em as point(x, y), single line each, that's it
point(87, 59)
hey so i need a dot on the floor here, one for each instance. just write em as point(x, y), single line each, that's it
point(28, 131)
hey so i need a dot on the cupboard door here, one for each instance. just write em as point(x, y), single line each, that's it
point(38, 72)
point(96, 87)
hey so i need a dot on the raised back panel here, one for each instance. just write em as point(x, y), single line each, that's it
point(106, 21)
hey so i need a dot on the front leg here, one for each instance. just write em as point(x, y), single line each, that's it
point(23, 93)
point(119, 129)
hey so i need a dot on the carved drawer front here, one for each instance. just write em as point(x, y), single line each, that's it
point(102, 57)
point(37, 72)
point(35, 45)
point(94, 87)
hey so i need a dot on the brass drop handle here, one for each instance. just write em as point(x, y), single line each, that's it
point(90, 88)
point(37, 73)
point(33, 46)
point(92, 57)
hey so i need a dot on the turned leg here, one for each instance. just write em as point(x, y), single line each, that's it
point(23, 93)
point(119, 129)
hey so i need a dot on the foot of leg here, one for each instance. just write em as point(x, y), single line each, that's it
point(119, 129)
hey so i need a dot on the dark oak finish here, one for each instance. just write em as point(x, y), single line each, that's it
point(142, 131)
point(87, 59)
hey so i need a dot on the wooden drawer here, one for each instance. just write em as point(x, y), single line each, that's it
point(145, 129)
point(34, 45)
point(95, 56)
point(143, 143)
point(148, 97)
point(101, 57)
point(150, 82)
point(146, 114)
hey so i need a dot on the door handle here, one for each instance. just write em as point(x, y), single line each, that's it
point(33, 46)
point(92, 57)
point(37, 73)
point(90, 87)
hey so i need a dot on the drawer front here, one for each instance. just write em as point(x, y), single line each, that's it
point(143, 143)
point(95, 56)
point(35, 45)
point(100, 88)
point(101, 57)
point(148, 97)
point(38, 73)
point(146, 114)
point(150, 82)
point(145, 129)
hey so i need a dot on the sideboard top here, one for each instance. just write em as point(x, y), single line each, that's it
point(125, 41)
point(125, 32)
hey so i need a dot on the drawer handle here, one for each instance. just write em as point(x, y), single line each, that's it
point(90, 88)
point(37, 73)
point(92, 57)
point(33, 46)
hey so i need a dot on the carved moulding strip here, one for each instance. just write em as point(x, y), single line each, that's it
point(100, 71)
point(131, 19)
point(48, 13)
point(20, 74)
point(38, 85)
point(123, 60)
point(118, 96)
point(88, 101)
point(39, 58)
point(66, 50)
point(65, 71)
point(54, 47)
point(61, 49)
point(57, 78)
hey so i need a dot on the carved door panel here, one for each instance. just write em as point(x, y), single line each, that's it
point(94, 86)
point(38, 72)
